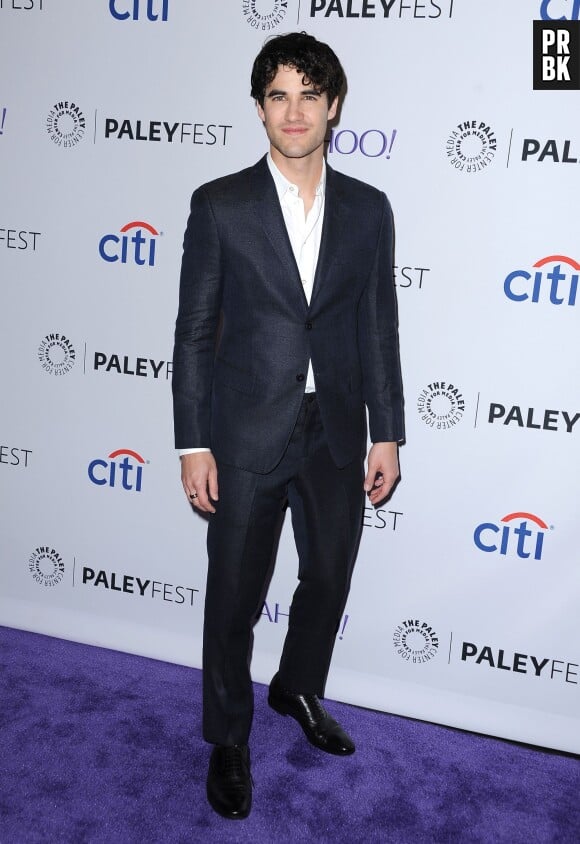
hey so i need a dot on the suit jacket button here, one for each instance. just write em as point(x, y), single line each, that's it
point(300, 377)
point(309, 326)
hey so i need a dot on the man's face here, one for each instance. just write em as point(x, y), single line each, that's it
point(295, 115)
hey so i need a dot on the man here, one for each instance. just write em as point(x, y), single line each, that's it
point(286, 329)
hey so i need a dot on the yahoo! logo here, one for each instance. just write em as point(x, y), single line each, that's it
point(556, 286)
point(136, 7)
point(128, 471)
point(492, 538)
point(560, 10)
point(372, 143)
point(140, 249)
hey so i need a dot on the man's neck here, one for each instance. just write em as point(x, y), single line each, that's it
point(304, 172)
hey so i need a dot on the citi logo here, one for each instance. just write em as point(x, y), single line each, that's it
point(132, 246)
point(122, 10)
point(511, 535)
point(560, 10)
point(557, 286)
point(126, 473)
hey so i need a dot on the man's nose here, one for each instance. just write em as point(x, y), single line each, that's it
point(294, 109)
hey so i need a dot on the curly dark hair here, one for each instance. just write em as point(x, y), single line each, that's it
point(313, 58)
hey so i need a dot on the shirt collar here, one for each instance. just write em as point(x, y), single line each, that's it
point(284, 186)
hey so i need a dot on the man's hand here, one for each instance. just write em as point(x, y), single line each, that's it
point(199, 477)
point(383, 471)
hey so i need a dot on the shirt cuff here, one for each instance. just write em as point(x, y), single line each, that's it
point(182, 451)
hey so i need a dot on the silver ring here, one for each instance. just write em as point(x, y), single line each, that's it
point(193, 495)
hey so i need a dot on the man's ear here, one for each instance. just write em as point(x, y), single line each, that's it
point(260, 111)
point(333, 109)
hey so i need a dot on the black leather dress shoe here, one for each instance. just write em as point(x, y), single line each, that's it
point(319, 727)
point(229, 782)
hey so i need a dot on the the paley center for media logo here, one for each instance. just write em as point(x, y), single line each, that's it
point(441, 405)
point(56, 354)
point(66, 124)
point(46, 566)
point(264, 15)
point(471, 146)
point(415, 641)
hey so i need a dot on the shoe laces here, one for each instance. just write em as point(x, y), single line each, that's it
point(236, 765)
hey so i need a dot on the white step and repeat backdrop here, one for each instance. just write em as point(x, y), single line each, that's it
point(464, 606)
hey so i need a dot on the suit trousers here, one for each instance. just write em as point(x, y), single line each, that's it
point(326, 504)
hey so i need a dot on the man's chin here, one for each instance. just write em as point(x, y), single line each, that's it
point(295, 150)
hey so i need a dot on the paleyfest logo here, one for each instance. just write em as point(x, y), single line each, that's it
point(65, 124)
point(264, 15)
point(471, 146)
point(386, 9)
point(506, 659)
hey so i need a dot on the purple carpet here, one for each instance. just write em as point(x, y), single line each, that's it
point(100, 746)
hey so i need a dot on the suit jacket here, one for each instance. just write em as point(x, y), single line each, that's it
point(245, 331)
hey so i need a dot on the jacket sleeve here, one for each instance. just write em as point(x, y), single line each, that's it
point(196, 326)
point(379, 342)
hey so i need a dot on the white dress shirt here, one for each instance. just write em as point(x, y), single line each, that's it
point(304, 233)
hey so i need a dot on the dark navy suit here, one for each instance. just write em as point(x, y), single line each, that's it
point(244, 336)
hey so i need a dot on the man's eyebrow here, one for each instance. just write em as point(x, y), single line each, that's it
point(276, 92)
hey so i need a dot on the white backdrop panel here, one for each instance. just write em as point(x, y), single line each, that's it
point(464, 602)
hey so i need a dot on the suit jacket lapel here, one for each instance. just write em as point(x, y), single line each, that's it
point(267, 207)
point(334, 226)
point(333, 231)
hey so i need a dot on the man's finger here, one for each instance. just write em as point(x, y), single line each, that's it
point(370, 477)
point(213, 484)
point(203, 503)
